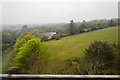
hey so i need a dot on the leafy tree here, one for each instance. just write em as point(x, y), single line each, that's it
point(28, 48)
point(21, 40)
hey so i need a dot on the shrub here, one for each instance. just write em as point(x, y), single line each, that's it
point(116, 64)
point(99, 55)
point(99, 59)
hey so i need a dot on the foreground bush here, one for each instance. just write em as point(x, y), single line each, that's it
point(99, 58)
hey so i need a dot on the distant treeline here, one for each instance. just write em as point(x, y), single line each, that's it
point(62, 29)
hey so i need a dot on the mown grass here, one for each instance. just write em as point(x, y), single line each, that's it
point(67, 48)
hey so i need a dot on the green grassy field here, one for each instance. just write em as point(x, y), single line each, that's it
point(61, 51)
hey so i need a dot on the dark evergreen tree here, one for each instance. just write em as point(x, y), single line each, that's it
point(72, 28)
point(24, 28)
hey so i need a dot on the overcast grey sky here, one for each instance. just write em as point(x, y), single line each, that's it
point(56, 12)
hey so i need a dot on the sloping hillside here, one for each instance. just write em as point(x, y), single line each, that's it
point(63, 50)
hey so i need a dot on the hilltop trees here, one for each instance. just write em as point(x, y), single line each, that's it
point(82, 27)
point(112, 23)
point(61, 29)
point(24, 28)
point(72, 28)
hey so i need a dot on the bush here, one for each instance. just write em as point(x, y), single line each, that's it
point(99, 59)
point(116, 64)
point(100, 56)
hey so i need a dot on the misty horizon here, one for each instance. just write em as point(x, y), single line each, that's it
point(50, 12)
point(59, 22)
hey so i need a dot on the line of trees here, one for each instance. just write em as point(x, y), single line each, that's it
point(63, 29)
point(84, 26)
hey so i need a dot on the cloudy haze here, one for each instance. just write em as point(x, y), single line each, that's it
point(56, 12)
